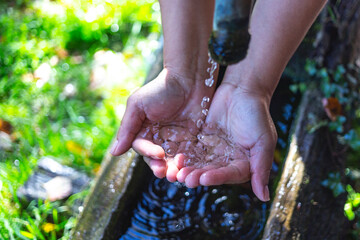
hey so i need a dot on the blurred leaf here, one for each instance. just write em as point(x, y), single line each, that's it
point(333, 182)
point(27, 234)
point(349, 213)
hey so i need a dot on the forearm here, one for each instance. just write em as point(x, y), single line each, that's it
point(277, 28)
point(187, 25)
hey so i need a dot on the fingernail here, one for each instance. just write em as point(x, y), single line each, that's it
point(266, 193)
point(114, 147)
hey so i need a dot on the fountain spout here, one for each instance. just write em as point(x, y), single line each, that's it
point(230, 37)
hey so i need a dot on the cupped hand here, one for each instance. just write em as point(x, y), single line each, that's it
point(170, 103)
point(245, 119)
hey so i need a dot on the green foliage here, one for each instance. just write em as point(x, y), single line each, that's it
point(351, 138)
point(39, 220)
point(343, 85)
point(333, 182)
point(60, 114)
point(352, 205)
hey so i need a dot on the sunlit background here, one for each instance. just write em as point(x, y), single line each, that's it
point(66, 69)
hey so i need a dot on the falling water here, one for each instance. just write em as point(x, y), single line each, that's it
point(209, 82)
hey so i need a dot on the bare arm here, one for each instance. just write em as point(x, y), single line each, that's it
point(187, 26)
point(277, 28)
point(175, 95)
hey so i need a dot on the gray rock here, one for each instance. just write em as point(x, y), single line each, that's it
point(53, 181)
point(5, 141)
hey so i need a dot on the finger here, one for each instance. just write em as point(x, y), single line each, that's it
point(182, 174)
point(234, 173)
point(193, 179)
point(157, 166)
point(261, 160)
point(171, 171)
point(147, 148)
point(129, 128)
point(179, 160)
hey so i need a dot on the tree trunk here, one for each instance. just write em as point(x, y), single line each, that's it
point(302, 207)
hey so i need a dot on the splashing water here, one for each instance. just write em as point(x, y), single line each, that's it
point(204, 102)
point(197, 149)
point(199, 123)
point(209, 82)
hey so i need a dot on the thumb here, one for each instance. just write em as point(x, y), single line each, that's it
point(262, 155)
point(130, 126)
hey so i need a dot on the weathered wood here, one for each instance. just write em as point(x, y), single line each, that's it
point(338, 40)
point(111, 198)
point(114, 194)
point(302, 207)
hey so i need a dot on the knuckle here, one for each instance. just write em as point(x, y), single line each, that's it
point(131, 100)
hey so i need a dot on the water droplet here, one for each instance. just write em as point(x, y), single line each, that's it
point(206, 99)
point(213, 68)
point(205, 111)
point(147, 130)
point(170, 152)
point(209, 82)
point(203, 104)
point(199, 123)
point(188, 162)
point(179, 225)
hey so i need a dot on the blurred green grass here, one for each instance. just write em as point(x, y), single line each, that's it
point(47, 59)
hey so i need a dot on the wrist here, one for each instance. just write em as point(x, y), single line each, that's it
point(194, 69)
point(250, 79)
point(192, 65)
point(191, 81)
point(187, 28)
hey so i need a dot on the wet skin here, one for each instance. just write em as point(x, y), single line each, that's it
point(168, 100)
point(166, 110)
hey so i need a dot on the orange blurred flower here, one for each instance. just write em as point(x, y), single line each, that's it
point(332, 107)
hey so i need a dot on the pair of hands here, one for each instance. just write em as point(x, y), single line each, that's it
point(172, 99)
